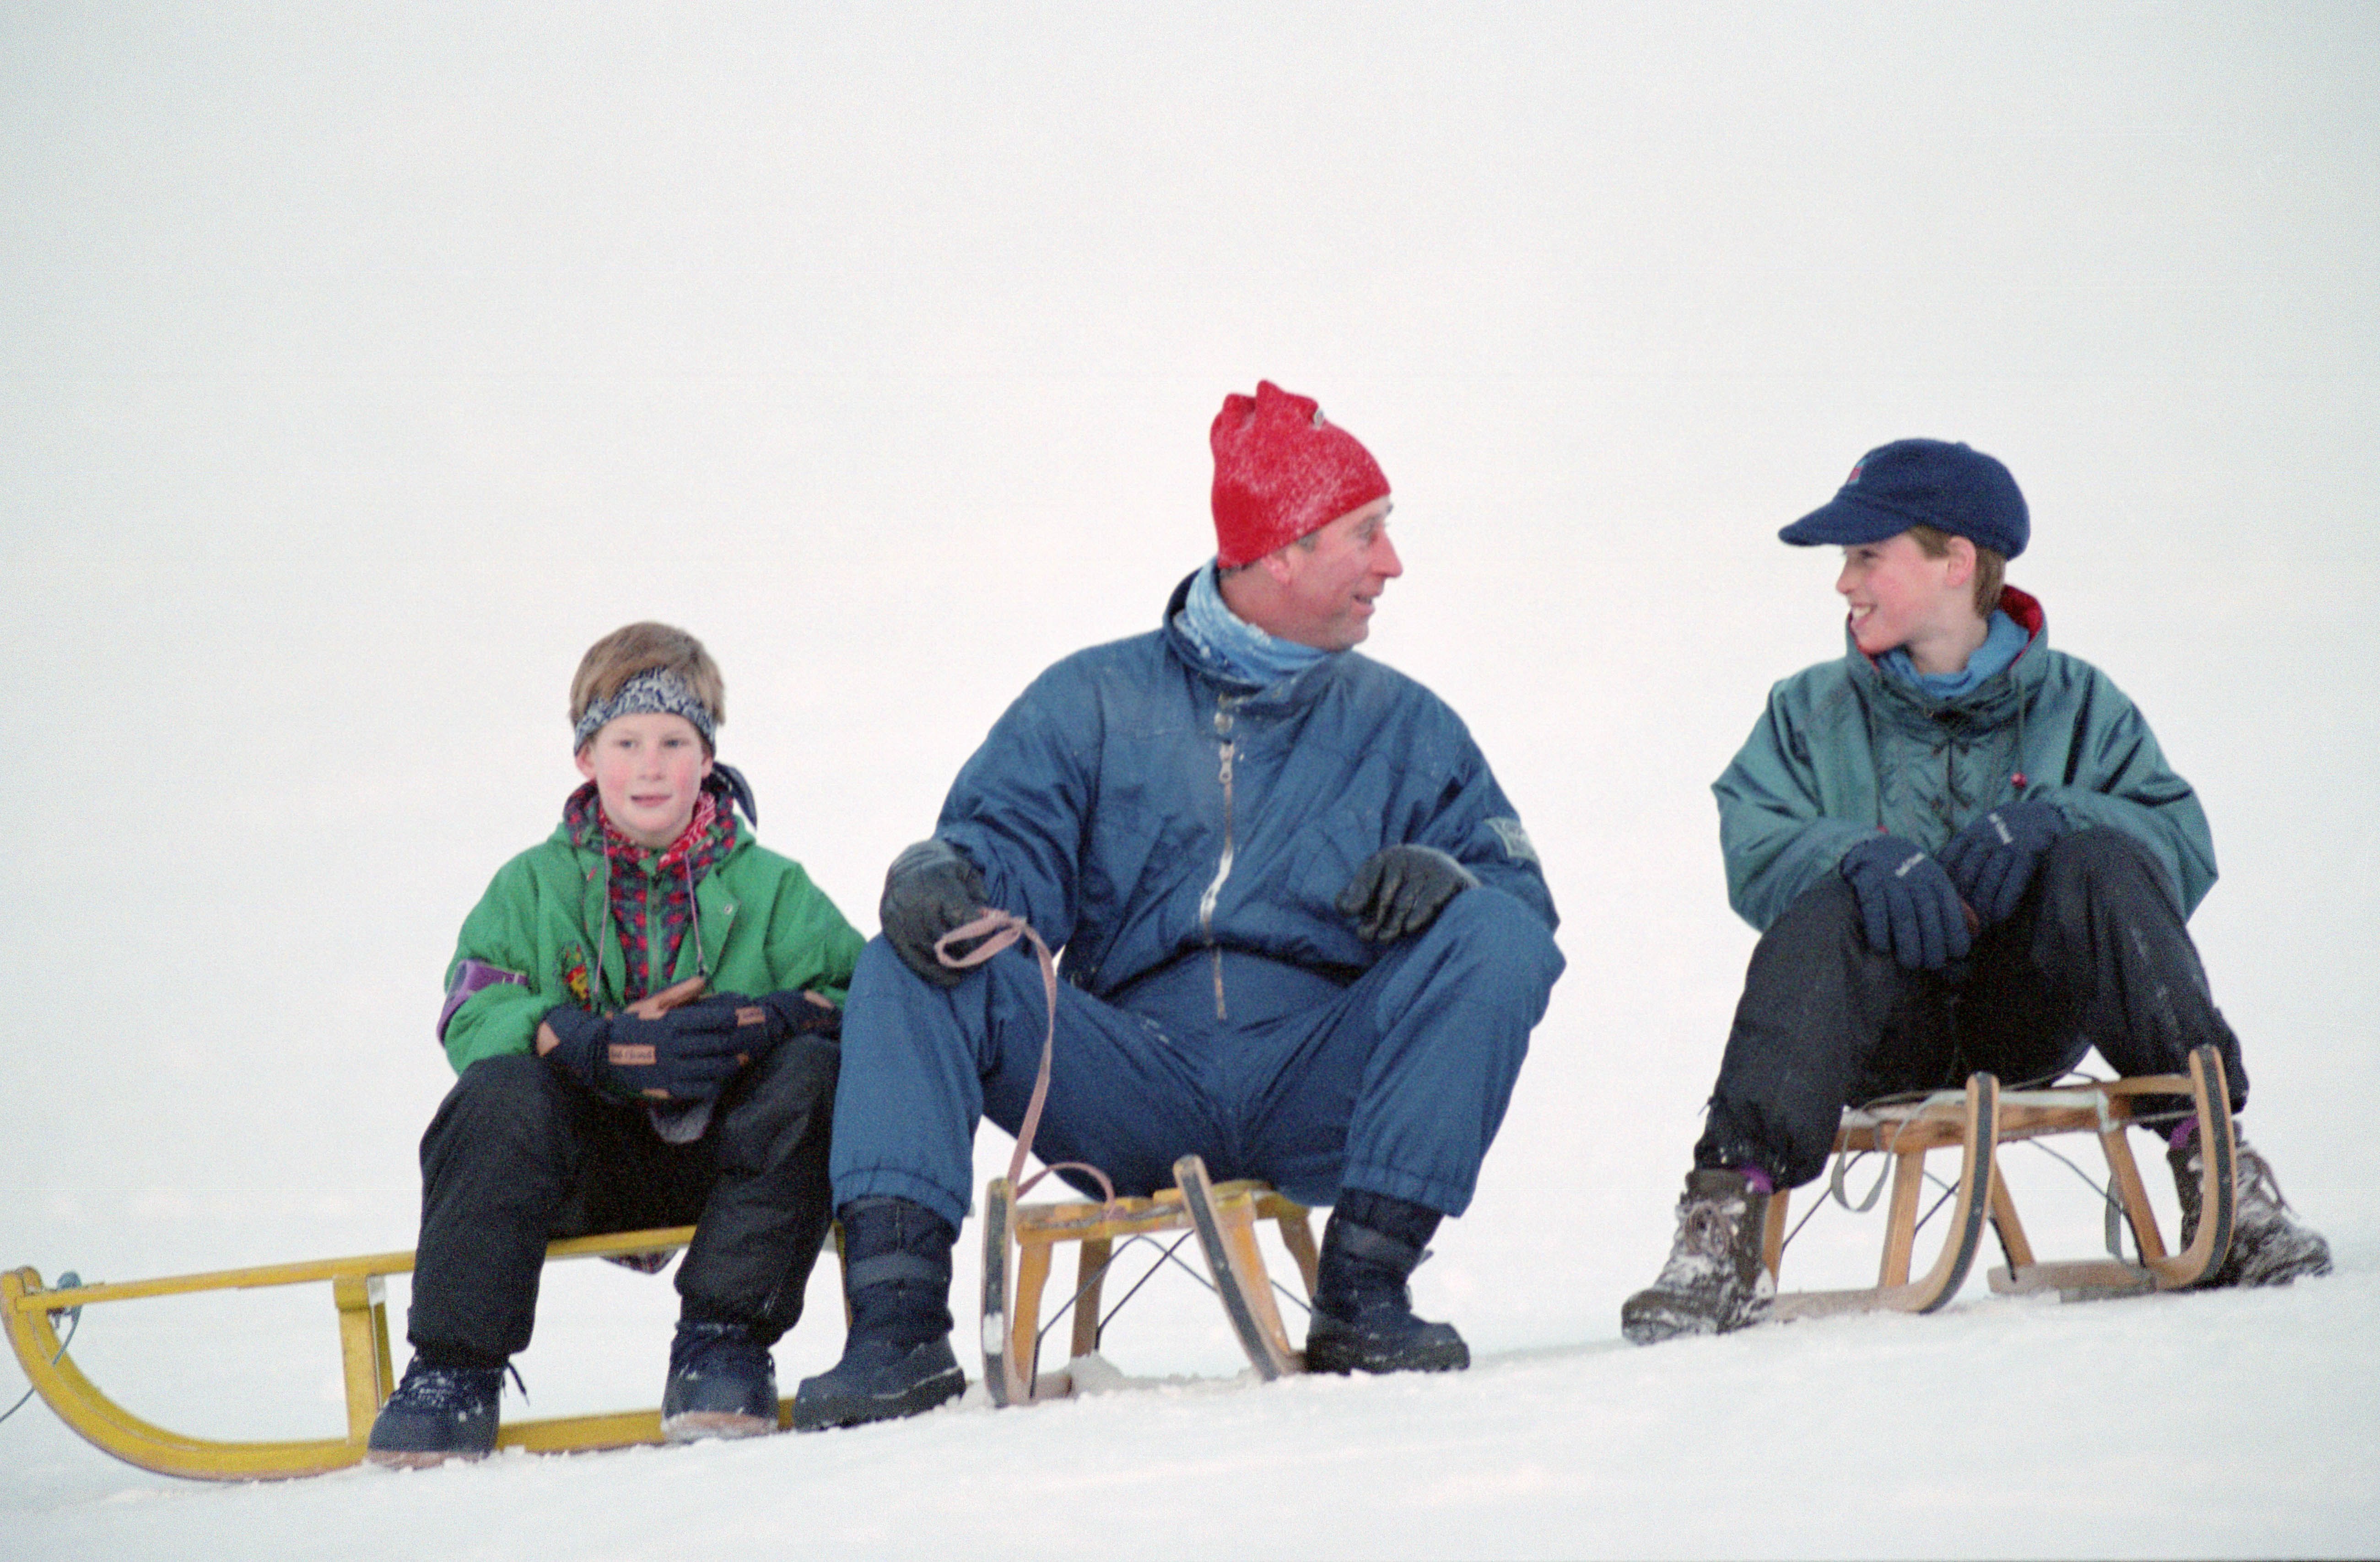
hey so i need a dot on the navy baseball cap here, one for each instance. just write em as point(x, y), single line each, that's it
point(1949, 486)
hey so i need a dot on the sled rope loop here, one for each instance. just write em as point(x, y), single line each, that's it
point(992, 931)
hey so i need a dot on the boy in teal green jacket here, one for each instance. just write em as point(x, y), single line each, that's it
point(643, 1012)
point(1964, 851)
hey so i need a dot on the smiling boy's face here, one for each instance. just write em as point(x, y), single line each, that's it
point(648, 770)
point(1901, 596)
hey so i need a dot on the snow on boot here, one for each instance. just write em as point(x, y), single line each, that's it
point(1363, 1312)
point(1715, 1280)
point(2267, 1247)
point(437, 1413)
point(896, 1360)
point(721, 1383)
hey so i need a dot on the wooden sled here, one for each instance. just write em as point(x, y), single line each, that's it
point(1017, 1240)
point(1979, 1120)
point(1968, 1119)
point(30, 1312)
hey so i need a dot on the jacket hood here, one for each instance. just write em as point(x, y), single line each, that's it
point(1987, 700)
point(1215, 670)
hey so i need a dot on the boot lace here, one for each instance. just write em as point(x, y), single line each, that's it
point(428, 1387)
point(1705, 1241)
point(2258, 1186)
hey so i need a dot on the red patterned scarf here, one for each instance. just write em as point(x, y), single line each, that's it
point(643, 880)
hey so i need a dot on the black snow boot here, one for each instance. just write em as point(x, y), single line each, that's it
point(1362, 1313)
point(896, 1360)
point(2267, 1247)
point(722, 1383)
point(1714, 1281)
point(439, 1411)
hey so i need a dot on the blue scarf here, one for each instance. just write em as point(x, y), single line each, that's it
point(1247, 652)
point(2001, 645)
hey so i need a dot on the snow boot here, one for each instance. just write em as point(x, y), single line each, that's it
point(2267, 1247)
point(1714, 1281)
point(1363, 1312)
point(721, 1383)
point(439, 1411)
point(896, 1360)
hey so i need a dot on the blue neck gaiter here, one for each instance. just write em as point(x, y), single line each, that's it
point(1252, 655)
point(2001, 645)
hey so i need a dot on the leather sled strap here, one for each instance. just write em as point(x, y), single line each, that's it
point(991, 932)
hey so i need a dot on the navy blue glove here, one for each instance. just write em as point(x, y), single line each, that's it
point(1401, 890)
point(1992, 860)
point(794, 1012)
point(1912, 908)
point(687, 1054)
point(928, 891)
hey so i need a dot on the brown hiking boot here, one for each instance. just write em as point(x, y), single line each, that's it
point(2267, 1247)
point(1714, 1281)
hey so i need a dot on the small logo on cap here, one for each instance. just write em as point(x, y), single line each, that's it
point(1857, 467)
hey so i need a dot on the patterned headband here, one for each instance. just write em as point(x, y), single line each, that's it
point(658, 691)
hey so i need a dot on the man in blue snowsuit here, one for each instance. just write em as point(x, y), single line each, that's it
point(1304, 936)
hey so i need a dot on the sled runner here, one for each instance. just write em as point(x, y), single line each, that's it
point(1968, 1119)
point(2103, 1108)
point(1978, 1121)
point(30, 1312)
point(1017, 1240)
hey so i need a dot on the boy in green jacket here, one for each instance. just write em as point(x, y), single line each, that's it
point(614, 1076)
point(1965, 851)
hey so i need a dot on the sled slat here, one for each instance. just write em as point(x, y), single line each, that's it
point(362, 1301)
point(1090, 1279)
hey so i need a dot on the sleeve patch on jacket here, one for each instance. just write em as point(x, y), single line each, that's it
point(1516, 841)
point(469, 977)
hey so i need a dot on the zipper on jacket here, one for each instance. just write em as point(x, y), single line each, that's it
point(1223, 865)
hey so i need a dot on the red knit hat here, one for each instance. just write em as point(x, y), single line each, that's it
point(1281, 471)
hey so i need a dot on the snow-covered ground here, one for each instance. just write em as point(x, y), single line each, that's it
point(357, 368)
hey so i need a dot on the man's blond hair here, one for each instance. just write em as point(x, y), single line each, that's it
point(641, 648)
point(1991, 569)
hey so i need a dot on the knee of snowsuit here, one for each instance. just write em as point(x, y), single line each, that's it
point(521, 1154)
point(1395, 1081)
point(2094, 955)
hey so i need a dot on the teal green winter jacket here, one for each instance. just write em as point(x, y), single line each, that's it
point(542, 935)
point(1846, 749)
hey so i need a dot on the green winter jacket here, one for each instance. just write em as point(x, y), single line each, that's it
point(1846, 748)
point(760, 927)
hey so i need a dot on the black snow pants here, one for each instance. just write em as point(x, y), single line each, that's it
point(2095, 955)
point(522, 1153)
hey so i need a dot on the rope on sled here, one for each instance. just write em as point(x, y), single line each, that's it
point(990, 933)
point(66, 1281)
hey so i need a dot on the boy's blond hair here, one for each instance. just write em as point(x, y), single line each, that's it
point(1991, 569)
point(643, 648)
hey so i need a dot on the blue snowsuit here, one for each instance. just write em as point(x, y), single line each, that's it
point(1183, 836)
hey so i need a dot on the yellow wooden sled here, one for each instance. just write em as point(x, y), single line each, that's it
point(30, 1312)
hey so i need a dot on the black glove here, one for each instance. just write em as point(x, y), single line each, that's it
point(794, 1012)
point(1992, 860)
point(928, 891)
point(1401, 890)
point(1911, 908)
point(689, 1054)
